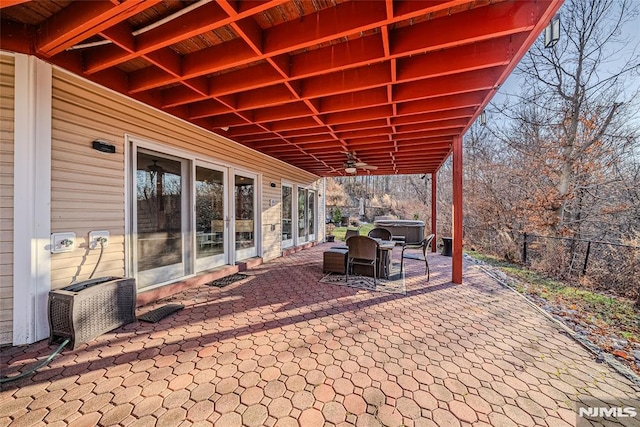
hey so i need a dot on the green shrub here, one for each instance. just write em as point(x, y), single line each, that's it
point(337, 216)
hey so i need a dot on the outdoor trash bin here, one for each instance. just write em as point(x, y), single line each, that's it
point(446, 246)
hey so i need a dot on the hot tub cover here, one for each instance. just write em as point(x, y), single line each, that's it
point(398, 223)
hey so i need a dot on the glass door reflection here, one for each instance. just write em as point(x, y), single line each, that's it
point(210, 215)
point(287, 215)
point(311, 215)
point(302, 215)
point(159, 218)
point(245, 224)
point(306, 215)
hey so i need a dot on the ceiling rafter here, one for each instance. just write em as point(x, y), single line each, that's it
point(305, 82)
point(84, 20)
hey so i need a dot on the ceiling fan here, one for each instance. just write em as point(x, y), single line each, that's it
point(351, 166)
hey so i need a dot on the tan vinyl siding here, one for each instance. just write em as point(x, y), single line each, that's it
point(7, 72)
point(88, 187)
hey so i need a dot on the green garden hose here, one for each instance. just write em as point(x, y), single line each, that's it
point(37, 366)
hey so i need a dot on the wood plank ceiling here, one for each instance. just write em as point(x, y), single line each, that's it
point(391, 82)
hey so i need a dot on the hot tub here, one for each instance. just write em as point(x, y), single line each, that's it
point(412, 230)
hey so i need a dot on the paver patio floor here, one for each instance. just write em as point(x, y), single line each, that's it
point(279, 348)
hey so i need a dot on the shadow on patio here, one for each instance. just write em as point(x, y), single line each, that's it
point(279, 348)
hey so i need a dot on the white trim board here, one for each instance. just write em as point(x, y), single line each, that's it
point(32, 199)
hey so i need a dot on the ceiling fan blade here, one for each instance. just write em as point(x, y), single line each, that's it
point(360, 164)
point(369, 167)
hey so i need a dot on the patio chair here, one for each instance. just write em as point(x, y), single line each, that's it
point(380, 233)
point(423, 245)
point(350, 232)
point(363, 250)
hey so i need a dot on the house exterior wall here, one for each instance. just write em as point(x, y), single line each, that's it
point(89, 188)
point(6, 196)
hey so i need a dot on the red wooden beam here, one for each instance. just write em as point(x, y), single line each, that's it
point(470, 81)
point(16, 37)
point(263, 97)
point(337, 57)
point(428, 134)
point(206, 109)
point(358, 115)
point(326, 25)
point(442, 103)
point(301, 123)
point(245, 79)
point(282, 112)
point(250, 129)
point(509, 17)
point(347, 80)
point(386, 130)
point(355, 100)
point(405, 153)
point(436, 125)
point(184, 27)
point(414, 8)
point(179, 95)
point(304, 132)
point(434, 210)
point(366, 124)
point(456, 269)
point(9, 3)
point(82, 20)
point(474, 56)
point(457, 113)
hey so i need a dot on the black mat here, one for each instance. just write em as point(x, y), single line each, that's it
point(160, 313)
point(220, 283)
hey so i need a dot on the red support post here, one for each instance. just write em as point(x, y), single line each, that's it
point(456, 267)
point(434, 210)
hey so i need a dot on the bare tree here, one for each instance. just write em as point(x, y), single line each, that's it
point(576, 106)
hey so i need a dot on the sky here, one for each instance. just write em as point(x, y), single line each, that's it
point(631, 30)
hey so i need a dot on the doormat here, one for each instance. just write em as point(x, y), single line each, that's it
point(157, 314)
point(395, 284)
point(221, 283)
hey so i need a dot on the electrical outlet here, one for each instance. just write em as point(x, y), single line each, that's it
point(62, 242)
point(95, 237)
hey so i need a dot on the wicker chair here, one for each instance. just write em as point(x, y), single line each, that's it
point(350, 232)
point(423, 245)
point(363, 250)
point(380, 233)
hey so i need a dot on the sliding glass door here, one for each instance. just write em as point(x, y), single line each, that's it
point(160, 218)
point(188, 215)
point(287, 215)
point(211, 227)
point(306, 215)
point(311, 215)
point(244, 198)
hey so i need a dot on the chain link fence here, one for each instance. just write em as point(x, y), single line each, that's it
point(604, 266)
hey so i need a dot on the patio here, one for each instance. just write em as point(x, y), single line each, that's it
point(279, 348)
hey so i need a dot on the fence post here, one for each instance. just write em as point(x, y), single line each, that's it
point(586, 259)
point(524, 249)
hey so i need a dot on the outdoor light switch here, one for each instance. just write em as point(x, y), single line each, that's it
point(62, 242)
point(98, 237)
